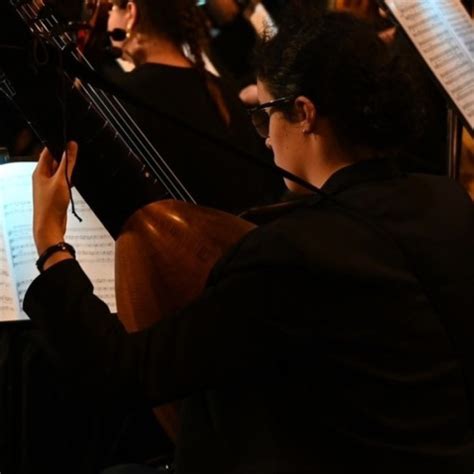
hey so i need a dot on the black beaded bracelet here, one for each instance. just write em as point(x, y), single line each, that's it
point(59, 247)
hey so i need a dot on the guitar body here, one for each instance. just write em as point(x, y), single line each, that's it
point(163, 259)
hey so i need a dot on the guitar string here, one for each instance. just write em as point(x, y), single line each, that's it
point(94, 96)
point(113, 119)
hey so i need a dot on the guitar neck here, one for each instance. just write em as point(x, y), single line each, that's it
point(117, 170)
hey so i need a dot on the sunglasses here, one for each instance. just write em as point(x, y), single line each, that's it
point(261, 118)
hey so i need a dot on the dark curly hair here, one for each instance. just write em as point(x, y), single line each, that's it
point(353, 78)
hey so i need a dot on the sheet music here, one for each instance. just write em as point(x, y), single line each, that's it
point(8, 305)
point(443, 33)
point(95, 250)
point(15, 200)
point(94, 247)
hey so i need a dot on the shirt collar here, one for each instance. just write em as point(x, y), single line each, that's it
point(375, 169)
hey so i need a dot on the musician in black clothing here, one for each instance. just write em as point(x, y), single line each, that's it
point(166, 41)
point(185, 112)
point(336, 338)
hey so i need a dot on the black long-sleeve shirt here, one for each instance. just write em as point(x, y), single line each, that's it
point(315, 347)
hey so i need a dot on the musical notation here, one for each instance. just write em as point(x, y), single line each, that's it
point(94, 247)
point(8, 308)
point(443, 33)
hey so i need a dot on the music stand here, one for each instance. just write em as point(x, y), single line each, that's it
point(443, 34)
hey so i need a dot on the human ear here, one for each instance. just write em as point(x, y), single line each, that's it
point(131, 16)
point(306, 114)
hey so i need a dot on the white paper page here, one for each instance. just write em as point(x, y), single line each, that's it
point(95, 250)
point(8, 299)
point(16, 201)
point(443, 33)
point(94, 247)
